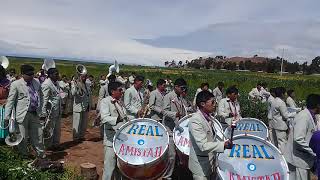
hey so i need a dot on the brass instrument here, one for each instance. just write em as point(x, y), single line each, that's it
point(81, 70)
point(14, 138)
point(146, 110)
point(114, 68)
point(4, 62)
point(48, 63)
point(47, 126)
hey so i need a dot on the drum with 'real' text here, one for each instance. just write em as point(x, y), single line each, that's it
point(182, 140)
point(250, 126)
point(252, 157)
point(141, 147)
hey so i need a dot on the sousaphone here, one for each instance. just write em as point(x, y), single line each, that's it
point(48, 63)
point(4, 62)
point(114, 68)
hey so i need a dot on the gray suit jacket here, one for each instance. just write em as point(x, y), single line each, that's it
point(156, 105)
point(52, 93)
point(298, 152)
point(109, 116)
point(19, 99)
point(103, 92)
point(218, 94)
point(280, 114)
point(171, 105)
point(225, 107)
point(133, 102)
point(206, 141)
point(81, 98)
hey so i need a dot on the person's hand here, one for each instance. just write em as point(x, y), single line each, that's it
point(228, 144)
point(178, 114)
point(231, 115)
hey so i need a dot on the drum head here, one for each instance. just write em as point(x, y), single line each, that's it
point(252, 157)
point(140, 141)
point(249, 126)
point(181, 135)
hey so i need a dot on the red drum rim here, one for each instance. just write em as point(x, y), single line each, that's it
point(140, 120)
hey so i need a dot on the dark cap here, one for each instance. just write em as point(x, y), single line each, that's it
point(52, 71)
point(27, 69)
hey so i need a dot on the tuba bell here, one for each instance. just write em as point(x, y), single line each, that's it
point(4, 62)
point(14, 138)
point(81, 69)
point(48, 63)
point(114, 68)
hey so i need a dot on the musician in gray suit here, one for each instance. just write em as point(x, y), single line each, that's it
point(81, 106)
point(133, 99)
point(52, 93)
point(113, 115)
point(24, 101)
point(218, 92)
point(280, 115)
point(174, 109)
point(206, 136)
point(298, 153)
point(156, 101)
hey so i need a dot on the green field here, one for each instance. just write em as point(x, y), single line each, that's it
point(245, 81)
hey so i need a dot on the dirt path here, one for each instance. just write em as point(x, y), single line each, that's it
point(90, 150)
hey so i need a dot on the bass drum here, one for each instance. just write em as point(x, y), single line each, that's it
point(252, 157)
point(141, 147)
point(182, 141)
point(250, 126)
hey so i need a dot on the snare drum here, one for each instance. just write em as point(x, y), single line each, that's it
point(182, 141)
point(250, 126)
point(252, 157)
point(141, 146)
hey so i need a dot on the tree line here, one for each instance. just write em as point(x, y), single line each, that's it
point(270, 65)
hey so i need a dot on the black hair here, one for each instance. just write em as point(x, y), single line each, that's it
point(220, 83)
point(279, 91)
point(203, 96)
point(259, 84)
point(160, 82)
point(139, 78)
point(2, 72)
point(112, 86)
point(289, 92)
point(204, 84)
point(313, 101)
point(272, 90)
point(26, 68)
point(180, 82)
point(231, 90)
point(112, 78)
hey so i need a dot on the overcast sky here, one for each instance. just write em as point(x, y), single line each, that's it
point(106, 30)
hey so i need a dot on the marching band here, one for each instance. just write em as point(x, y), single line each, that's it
point(37, 105)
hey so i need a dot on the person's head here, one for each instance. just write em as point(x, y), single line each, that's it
point(2, 72)
point(150, 87)
point(220, 85)
point(206, 101)
point(204, 86)
point(112, 78)
point(27, 72)
point(259, 85)
point(273, 92)
point(115, 90)
point(42, 72)
point(91, 77)
point(103, 77)
point(232, 93)
point(83, 77)
point(280, 92)
point(290, 93)
point(12, 71)
point(313, 103)
point(53, 74)
point(138, 81)
point(161, 85)
point(180, 86)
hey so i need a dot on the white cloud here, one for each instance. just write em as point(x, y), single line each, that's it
point(100, 29)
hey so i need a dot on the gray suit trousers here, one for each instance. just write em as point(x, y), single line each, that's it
point(280, 139)
point(110, 162)
point(31, 128)
point(55, 122)
point(298, 173)
point(79, 124)
point(172, 157)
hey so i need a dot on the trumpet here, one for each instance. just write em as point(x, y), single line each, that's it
point(47, 127)
point(14, 138)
